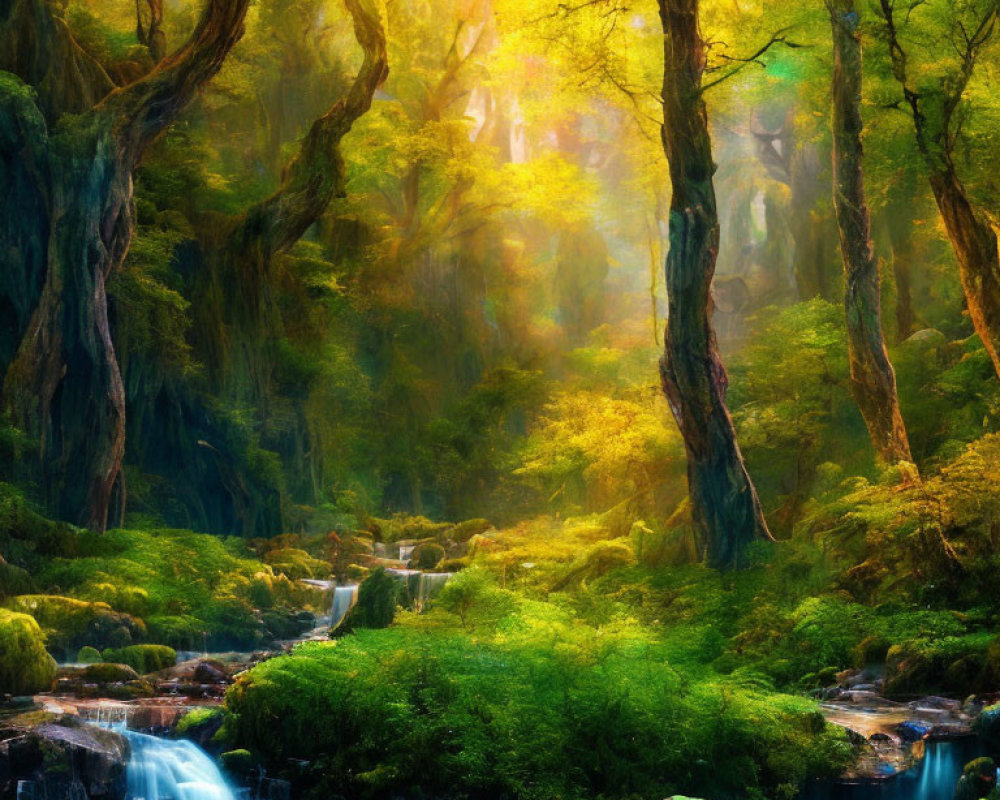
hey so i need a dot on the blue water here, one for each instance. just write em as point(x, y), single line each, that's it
point(934, 778)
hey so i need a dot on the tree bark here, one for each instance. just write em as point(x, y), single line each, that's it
point(873, 381)
point(899, 225)
point(724, 503)
point(933, 110)
point(64, 386)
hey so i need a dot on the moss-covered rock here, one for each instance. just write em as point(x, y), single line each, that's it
point(238, 763)
point(979, 779)
point(464, 531)
point(88, 655)
point(378, 597)
point(960, 664)
point(25, 665)
point(14, 580)
point(143, 658)
point(296, 563)
point(106, 672)
point(427, 556)
point(69, 624)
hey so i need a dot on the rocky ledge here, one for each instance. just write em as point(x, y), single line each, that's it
point(60, 757)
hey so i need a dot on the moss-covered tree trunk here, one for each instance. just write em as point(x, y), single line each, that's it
point(724, 503)
point(64, 386)
point(873, 381)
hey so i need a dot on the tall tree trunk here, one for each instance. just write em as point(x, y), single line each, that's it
point(975, 244)
point(64, 386)
point(873, 381)
point(899, 224)
point(724, 503)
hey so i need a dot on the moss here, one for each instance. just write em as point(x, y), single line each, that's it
point(464, 531)
point(196, 718)
point(427, 556)
point(70, 623)
point(143, 658)
point(25, 665)
point(239, 763)
point(14, 580)
point(109, 673)
point(378, 597)
point(296, 563)
point(88, 655)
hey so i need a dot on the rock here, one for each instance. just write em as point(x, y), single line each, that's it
point(979, 779)
point(427, 556)
point(62, 755)
point(464, 531)
point(913, 730)
point(207, 672)
point(926, 339)
point(108, 673)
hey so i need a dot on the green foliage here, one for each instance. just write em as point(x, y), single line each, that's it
point(25, 665)
point(190, 588)
point(143, 658)
point(475, 598)
point(451, 717)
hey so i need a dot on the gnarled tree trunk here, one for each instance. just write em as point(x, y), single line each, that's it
point(933, 109)
point(724, 503)
point(873, 381)
point(64, 386)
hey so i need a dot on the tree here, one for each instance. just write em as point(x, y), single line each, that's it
point(934, 101)
point(724, 504)
point(63, 385)
point(236, 298)
point(873, 381)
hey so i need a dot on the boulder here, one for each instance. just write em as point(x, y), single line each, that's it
point(979, 779)
point(62, 755)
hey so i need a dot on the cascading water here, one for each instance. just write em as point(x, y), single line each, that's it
point(163, 769)
point(344, 598)
point(420, 586)
point(933, 778)
point(172, 769)
point(431, 583)
point(406, 552)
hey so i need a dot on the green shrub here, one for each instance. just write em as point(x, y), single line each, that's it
point(143, 658)
point(25, 665)
point(442, 715)
point(88, 655)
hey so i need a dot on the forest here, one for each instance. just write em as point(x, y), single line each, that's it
point(499, 400)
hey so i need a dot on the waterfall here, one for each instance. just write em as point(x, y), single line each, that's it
point(406, 552)
point(344, 598)
point(420, 586)
point(172, 769)
point(430, 584)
